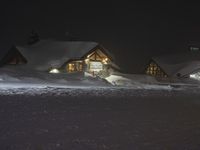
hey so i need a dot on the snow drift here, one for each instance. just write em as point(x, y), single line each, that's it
point(28, 82)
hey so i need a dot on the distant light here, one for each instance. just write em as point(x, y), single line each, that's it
point(54, 71)
point(194, 49)
point(195, 76)
point(192, 76)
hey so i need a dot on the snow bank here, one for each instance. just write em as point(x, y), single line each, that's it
point(120, 79)
point(21, 75)
point(29, 82)
point(73, 85)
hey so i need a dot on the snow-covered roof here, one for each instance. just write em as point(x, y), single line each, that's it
point(179, 64)
point(50, 53)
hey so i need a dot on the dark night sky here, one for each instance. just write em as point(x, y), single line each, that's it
point(134, 32)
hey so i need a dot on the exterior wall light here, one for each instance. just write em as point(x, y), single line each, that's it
point(195, 76)
point(87, 60)
point(54, 71)
point(105, 61)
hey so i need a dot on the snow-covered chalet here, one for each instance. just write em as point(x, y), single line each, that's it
point(62, 57)
point(181, 65)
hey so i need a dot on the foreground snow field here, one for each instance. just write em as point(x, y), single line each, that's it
point(123, 112)
point(145, 120)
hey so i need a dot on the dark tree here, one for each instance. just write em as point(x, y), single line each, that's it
point(33, 38)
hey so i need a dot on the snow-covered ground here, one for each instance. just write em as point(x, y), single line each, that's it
point(157, 121)
point(28, 82)
point(40, 111)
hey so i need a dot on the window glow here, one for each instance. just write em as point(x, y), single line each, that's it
point(74, 66)
point(96, 66)
point(154, 70)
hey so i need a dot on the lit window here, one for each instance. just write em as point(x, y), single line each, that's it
point(75, 66)
point(71, 67)
point(154, 70)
